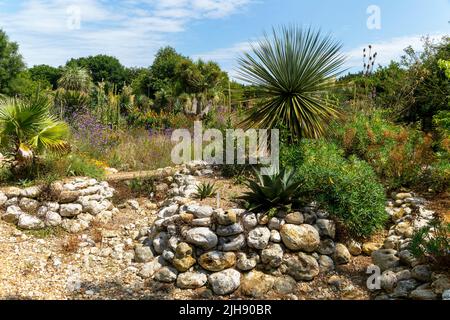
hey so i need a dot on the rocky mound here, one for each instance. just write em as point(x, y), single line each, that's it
point(72, 205)
point(193, 245)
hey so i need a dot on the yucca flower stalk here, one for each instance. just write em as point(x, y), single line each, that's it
point(292, 71)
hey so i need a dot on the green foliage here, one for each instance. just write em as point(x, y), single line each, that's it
point(46, 73)
point(24, 86)
point(79, 166)
point(292, 70)
point(347, 188)
point(396, 153)
point(205, 190)
point(11, 63)
point(103, 68)
point(142, 186)
point(26, 126)
point(75, 78)
point(433, 243)
point(279, 190)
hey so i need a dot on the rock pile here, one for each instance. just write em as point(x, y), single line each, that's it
point(404, 276)
point(71, 205)
point(194, 245)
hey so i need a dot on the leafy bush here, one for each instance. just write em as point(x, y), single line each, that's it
point(433, 243)
point(348, 189)
point(397, 154)
point(269, 192)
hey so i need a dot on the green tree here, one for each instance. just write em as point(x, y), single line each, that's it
point(27, 128)
point(11, 63)
point(47, 73)
point(102, 68)
point(292, 70)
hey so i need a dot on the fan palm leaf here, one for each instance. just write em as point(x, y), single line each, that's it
point(27, 126)
point(292, 70)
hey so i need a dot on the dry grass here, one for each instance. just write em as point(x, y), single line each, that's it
point(71, 244)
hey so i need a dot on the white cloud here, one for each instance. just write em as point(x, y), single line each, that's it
point(131, 30)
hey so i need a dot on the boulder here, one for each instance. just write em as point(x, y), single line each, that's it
point(202, 237)
point(326, 247)
point(326, 264)
point(302, 267)
point(12, 214)
point(249, 221)
point(388, 281)
point(385, 259)
point(225, 282)
point(191, 280)
point(294, 218)
point(369, 247)
point(217, 260)
point(256, 284)
point(30, 222)
point(143, 254)
point(52, 219)
point(199, 211)
point(229, 230)
point(300, 237)
point(29, 205)
point(183, 259)
point(246, 262)
point(225, 218)
point(421, 273)
point(161, 242)
point(327, 228)
point(423, 292)
point(341, 254)
point(166, 274)
point(354, 248)
point(70, 210)
point(258, 238)
point(150, 268)
point(233, 243)
point(272, 255)
point(285, 285)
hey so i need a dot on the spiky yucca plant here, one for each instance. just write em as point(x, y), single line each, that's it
point(292, 70)
point(27, 128)
point(205, 190)
point(267, 192)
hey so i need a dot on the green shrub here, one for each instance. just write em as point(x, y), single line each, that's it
point(433, 244)
point(397, 154)
point(347, 188)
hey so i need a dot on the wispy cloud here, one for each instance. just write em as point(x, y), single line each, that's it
point(131, 30)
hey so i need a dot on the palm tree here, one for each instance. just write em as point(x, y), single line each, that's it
point(76, 79)
point(27, 128)
point(292, 70)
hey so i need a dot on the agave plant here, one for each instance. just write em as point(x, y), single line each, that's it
point(27, 128)
point(267, 192)
point(292, 71)
point(205, 190)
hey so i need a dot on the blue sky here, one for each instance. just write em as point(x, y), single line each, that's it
point(52, 31)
